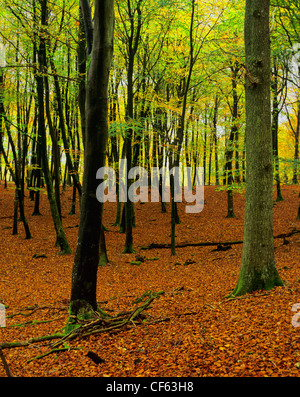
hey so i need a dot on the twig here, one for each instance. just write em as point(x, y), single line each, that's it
point(33, 310)
point(7, 345)
point(110, 324)
point(159, 320)
point(33, 322)
point(91, 327)
point(61, 349)
point(230, 298)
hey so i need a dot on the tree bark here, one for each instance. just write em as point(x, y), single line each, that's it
point(84, 277)
point(61, 239)
point(231, 142)
point(258, 270)
point(275, 122)
point(133, 43)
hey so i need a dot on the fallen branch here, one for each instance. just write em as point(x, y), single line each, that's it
point(92, 327)
point(33, 309)
point(183, 245)
point(8, 345)
point(210, 243)
point(47, 353)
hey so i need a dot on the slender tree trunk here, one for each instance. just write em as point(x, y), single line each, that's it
point(215, 137)
point(258, 270)
point(81, 55)
point(19, 194)
point(296, 150)
point(84, 277)
point(132, 49)
point(275, 118)
point(61, 238)
point(180, 130)
point(128, 205)
point(72, 171)
point(38, 161)
point(230, 144)
point(103, 258)
point(55, 147)
point(205, 145)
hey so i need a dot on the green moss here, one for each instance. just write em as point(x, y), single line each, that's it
point(256, 281)
point(128, 249)
point(79, 311)
point(103, 259)
point(136, 263)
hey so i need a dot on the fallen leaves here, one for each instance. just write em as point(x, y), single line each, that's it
point(192, 330)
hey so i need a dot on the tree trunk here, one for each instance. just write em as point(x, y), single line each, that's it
point(215, 137)
point(231, 142)
point(275, 119)
point(258, 270)
point(84, 277)
point(296, 151)
point(61, 239)
point(55, 147)
point(132, 49)
point(205, 146)
point(180, 129)
point(81, 59)
point(16, 176)
point(103, 258)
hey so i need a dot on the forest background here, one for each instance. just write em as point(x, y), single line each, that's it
point(177, 77)
point(172, 64)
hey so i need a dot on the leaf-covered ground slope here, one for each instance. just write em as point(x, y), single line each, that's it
point(190, 330)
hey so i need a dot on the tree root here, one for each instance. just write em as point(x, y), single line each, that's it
point(113, 323)
point(8, 345)
point(91, 327)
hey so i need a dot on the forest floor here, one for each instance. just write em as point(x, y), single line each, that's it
point(193, 330)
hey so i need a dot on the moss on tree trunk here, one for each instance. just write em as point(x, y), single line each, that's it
point(258, 269)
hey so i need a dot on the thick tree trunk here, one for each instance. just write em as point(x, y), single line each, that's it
point(258, 269)
point(84, 277)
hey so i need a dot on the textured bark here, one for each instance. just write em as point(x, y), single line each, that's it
point(84, 277)
point(258, 269)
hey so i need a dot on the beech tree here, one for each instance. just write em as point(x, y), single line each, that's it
point(258, 269)
point(61, 238)
point(100, 40)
